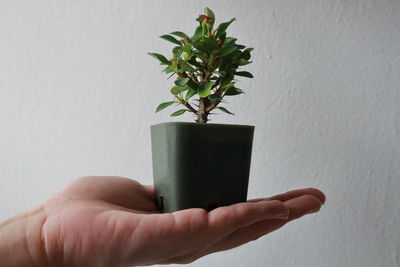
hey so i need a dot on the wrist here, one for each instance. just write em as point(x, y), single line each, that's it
point(21, 239)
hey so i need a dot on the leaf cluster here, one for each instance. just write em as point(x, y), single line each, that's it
point(205, 65)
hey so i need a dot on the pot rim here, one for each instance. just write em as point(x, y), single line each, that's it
point(203, 124)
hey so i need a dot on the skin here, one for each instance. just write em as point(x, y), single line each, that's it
point(113, 221)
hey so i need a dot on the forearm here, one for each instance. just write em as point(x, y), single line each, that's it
point(20, 240)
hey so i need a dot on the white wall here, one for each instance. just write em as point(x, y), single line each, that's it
point(78, 93)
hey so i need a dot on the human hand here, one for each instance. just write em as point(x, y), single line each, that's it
point(113, 221)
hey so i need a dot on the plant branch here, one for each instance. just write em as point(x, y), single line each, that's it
point(194, 78)
point(190, 107)
point(206, 77)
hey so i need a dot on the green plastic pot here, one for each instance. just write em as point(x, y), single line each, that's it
point(200, 165)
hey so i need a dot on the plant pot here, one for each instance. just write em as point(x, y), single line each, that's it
point(200, 165)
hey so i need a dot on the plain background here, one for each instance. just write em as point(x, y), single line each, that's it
point(78, 94)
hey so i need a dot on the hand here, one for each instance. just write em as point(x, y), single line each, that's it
point(113, 221)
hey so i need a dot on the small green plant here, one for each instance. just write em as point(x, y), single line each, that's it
point(205, 66)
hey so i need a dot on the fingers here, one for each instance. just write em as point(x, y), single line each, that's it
point(294, 194)
point(218, 224)
point(231, 226)
point(235, 225)
point(245, 235)
point(303, 205)
point(298, 207)
point(240, 223)
point(209, 227)
point(223, 221)
point(228, 219)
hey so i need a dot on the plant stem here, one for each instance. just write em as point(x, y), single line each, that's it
point(202, 113)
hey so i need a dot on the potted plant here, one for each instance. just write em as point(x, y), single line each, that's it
point(198, 164)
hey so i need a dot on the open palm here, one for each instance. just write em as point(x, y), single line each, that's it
point(113, 221)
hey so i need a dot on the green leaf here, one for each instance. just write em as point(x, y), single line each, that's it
point(180, 34)
point(192, 85)
point(229, 40)
point(170, 38)
point(164, 105)
point(205, 89)
point(227, 49)
point(185, 66)
point(234, 91)
point(190, 93)
point(199, 45)
point(179, 112)
point(243, 62)
point(177, 51)
point(228, 85)
point(197, 34)
point(222, 27)
point(244, 74)
point(187, 48)
point(246, 55)
point(210, 44)
point(181, 82)
point(226, 80)
point(206, 28)
point(176, 90)
point(168, 69)
point(208, 12)
point(225, 110)
point(160, 57)
point(223, 37)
